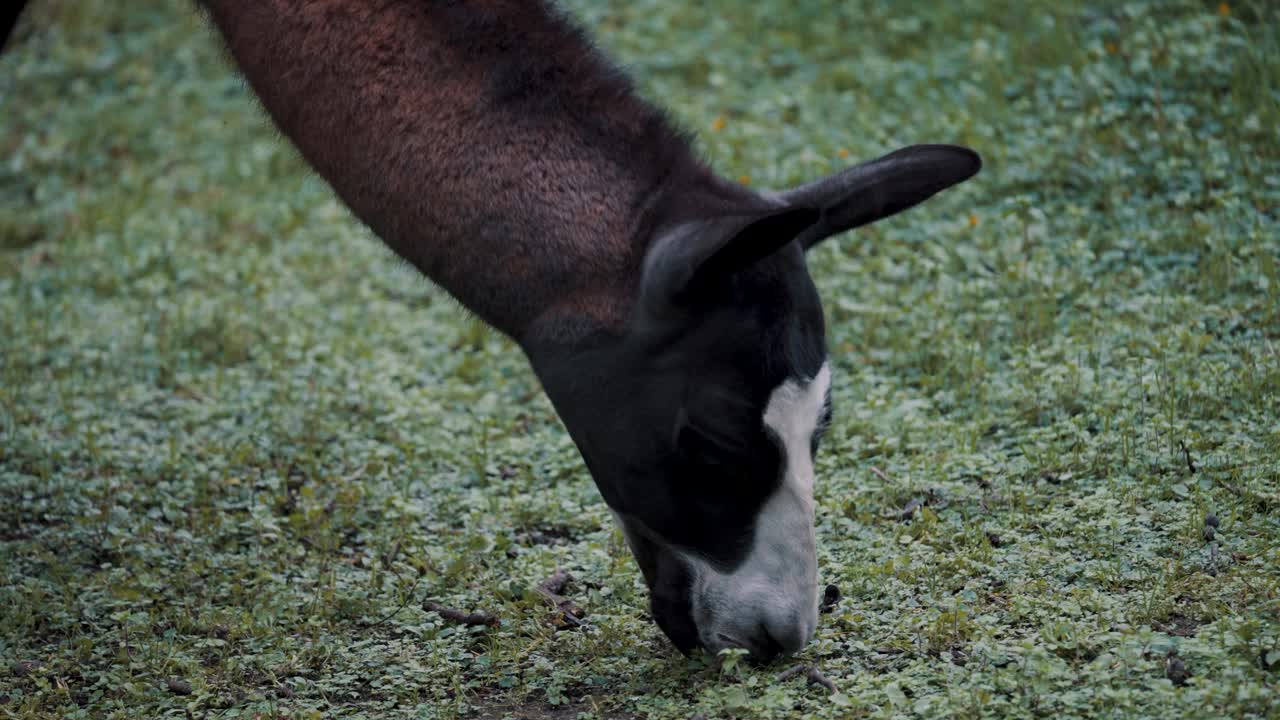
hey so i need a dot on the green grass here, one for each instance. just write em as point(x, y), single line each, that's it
point(240, 444)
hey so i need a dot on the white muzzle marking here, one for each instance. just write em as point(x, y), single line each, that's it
point(775, 589)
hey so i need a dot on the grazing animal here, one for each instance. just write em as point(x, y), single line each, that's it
point(667, 312)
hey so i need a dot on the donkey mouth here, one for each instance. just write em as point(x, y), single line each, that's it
point(757, 654)
point(731, 641)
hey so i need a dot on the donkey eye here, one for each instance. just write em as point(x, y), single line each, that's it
point(711, 436)
point(703, 448)
point(717, 454)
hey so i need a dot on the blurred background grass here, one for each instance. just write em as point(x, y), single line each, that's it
point(239, 443)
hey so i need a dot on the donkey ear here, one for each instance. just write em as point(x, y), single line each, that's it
point(877, 189)
point(695, 252)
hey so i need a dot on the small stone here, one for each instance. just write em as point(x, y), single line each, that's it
point(178, 686)
point(830, 598)
point(1177, 671)
point(23, 668)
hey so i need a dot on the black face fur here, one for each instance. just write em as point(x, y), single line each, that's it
point(669, 420)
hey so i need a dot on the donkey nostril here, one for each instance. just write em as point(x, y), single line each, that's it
point(783, 638)
point(765, 646)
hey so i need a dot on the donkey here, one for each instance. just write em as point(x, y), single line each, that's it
point(668, 313)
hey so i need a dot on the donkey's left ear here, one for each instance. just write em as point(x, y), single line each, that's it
point(877, 189)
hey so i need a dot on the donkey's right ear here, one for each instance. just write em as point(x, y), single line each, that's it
point(697, 252)
point(877, 189)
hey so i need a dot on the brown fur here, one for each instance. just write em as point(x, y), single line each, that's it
point(486, 142)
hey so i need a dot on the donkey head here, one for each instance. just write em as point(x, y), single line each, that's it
point(701, 422)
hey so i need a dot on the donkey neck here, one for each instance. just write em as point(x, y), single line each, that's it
point(489, 144)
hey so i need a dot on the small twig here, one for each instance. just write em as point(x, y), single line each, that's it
point(390, 555)
point(551, 588)
point(880, 474)
point(312, 544)
point(907, 512)
point(813, 676)
point(556, 583)
point(817, 678)
point(1159, 109)
point(1187, 454)
point(792, 671)
point(459, 616)
point(408, 598)
point(190, 392)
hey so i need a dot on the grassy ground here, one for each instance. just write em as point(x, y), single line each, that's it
point(240, 445)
